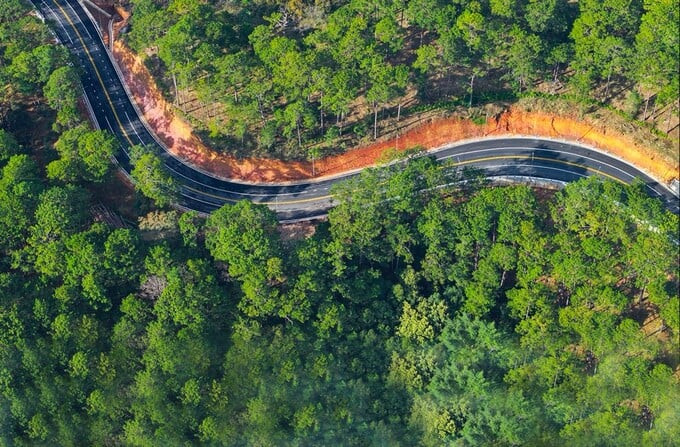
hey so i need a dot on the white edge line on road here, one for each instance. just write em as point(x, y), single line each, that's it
point(432, 151)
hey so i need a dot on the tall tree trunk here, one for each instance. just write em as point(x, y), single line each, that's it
point(606, 90)
point(375, 120)
point(472, 88)
point(297, 125)
point(259, 107)
point(321, 112)
point(644, 115)
point(668, 120)
point(556, 81)
point(398, 111)
point(174, 81)
point(642, 293)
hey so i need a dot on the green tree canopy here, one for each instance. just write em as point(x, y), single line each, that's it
point(151, 178)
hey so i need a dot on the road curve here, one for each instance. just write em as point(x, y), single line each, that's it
point(114, 110)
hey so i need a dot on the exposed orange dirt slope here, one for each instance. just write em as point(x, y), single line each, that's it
point(181, 141)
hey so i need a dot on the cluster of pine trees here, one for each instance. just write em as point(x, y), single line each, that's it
point(295, 71)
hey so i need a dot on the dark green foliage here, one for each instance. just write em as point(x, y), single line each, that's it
point(62, 91)
point(20, 187)
point(190, 225)
point(31, 62)
point(416, 316)
point(656, 56)
point(8, 146)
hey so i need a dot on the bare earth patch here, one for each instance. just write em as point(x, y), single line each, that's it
point(297, 231)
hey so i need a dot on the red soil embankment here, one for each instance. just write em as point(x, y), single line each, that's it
point(570, 128)
point(179, 138)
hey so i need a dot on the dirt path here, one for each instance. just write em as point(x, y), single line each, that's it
point(179, 138)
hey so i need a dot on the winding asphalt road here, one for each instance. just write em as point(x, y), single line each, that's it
point(114, 110)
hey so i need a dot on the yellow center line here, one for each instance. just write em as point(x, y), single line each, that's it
point(476, 160)
point(96, 71)
point(290, 202)
point(552, 160)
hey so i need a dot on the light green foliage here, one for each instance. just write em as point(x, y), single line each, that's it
point(244, 236)
point(524, 57)
point(43, 65)
point(121, 256)
point(262, 63)
point(96, 150)
point(470, 24)
point(387, 32)
point(656, 57)
point(32, 67)
point(84, 155)
point(60, 212)
point(151, 178)
point(61, 92)
point(426, 58)
point(548, 16)
point(20, 187)
point(416, 315)
point(190, 226)
point(603, 37)
point(504, 8)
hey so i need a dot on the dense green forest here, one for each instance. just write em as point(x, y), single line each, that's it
point(416, 315)
point(301, 71)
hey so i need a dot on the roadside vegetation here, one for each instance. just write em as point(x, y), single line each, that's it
point(415, 315)
point(39, 81)
point(301, 79)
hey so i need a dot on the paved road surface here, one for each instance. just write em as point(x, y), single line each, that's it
point(114, 111)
